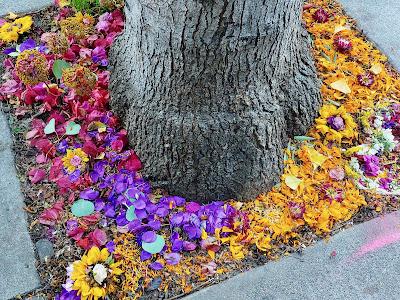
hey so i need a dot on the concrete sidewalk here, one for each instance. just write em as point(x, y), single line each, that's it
point(22, 6)
point(18, 273)
point(380, 21)
point(366, 266)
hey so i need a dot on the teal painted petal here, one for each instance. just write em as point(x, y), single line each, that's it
point(130, 213)
point(154, 247)
point(82, 208)
point(72, 128)
point(50, 127)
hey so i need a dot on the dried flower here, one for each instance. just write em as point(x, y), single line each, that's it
point(366, 79)
point(78, 27)
point(79, 78)
point(342, 44)
point(321, 16)
point(31, 67)
point(56, 42)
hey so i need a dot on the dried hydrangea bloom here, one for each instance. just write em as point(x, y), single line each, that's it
point(80, 79)
point(56, 42)
point(78, 27)
point(31, 67)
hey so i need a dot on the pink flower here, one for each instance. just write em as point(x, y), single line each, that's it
point(337, 173)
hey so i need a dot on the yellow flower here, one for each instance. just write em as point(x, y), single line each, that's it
point(336, 124)
point(86, 282)
point(75, 159)
point(8, 33)
point(23, 24)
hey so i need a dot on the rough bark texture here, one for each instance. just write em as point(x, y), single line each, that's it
point(211, 90)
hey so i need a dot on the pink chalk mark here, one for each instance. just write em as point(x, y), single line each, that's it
point(385, 232)
point(378, 243)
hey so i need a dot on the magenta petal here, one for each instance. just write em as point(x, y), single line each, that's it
point(192, 207)
point(149, 236)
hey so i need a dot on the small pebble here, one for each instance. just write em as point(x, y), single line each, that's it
point(45, 249)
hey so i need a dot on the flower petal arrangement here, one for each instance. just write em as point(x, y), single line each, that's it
point(124, 235)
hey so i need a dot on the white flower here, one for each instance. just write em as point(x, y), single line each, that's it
point(99, 273)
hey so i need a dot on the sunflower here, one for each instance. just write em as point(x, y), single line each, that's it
point(23, 24)
point(336, 124)
point(75, 159)
point(94, 275)
point(8, 33)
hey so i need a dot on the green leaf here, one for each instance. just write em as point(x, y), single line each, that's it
point(154, 247)
point(325, 56)
point(303, 138)
point(334, 103)
point(58, 67)
point(50, 127)
point(72, 128)
point(292, 181)
point(130, 213)
point(82, 208)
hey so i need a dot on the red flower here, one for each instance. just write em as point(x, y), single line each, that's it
point(321, 16)
point(342, 45)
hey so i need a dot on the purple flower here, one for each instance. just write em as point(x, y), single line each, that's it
point(62, 147)
point(74, 176)
point(139, 204)
point(336, 123)
point(176, 219)
point(172, 258)
point(149, 236)
point(189, 246)
point(156, 266)
point(65, 295)
point(110, 246)
point(371, 165)
point(192, 207)
point(144, 255)
point(27, 45)
point(99, 56)
point(9, 50)
point(155, 224)
point(385, 183)
point(89, 194)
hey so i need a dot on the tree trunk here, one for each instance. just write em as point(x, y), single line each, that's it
point(210, 92)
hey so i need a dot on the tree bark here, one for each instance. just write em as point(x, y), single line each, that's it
point(210, 92)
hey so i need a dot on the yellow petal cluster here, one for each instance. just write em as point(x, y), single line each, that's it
point(75, 159)
point(10, 31)
point(87, 288)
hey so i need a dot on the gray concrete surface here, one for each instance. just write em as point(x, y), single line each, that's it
point(17, 258)
point(22, 6)
point(380, 21)
point(366, 266)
